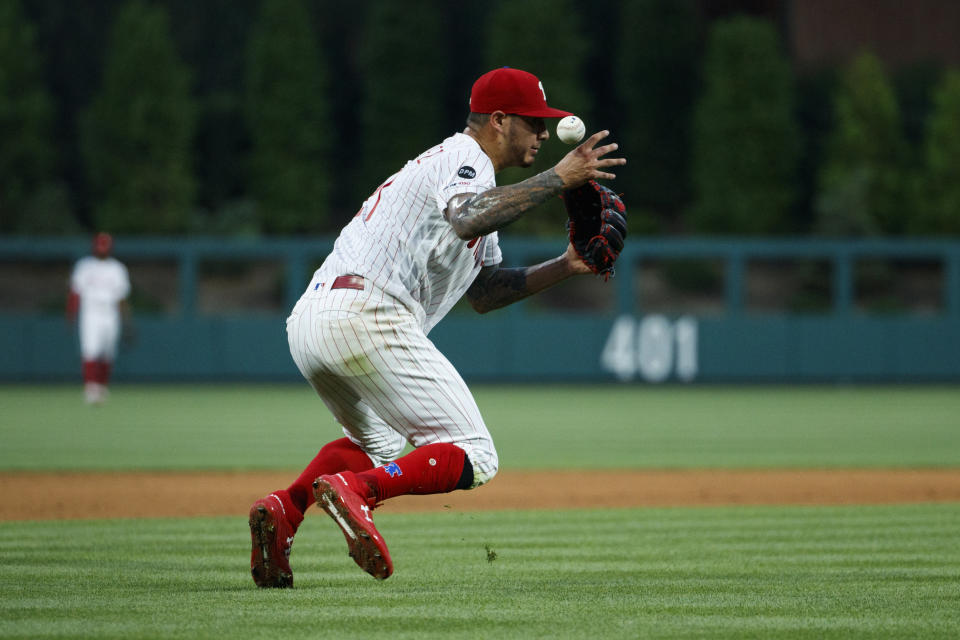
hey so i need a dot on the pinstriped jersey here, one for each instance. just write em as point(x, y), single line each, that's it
point(401, 241)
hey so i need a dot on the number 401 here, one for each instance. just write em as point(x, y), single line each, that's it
point(653, 347)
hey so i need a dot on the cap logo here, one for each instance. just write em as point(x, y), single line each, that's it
point(467, 172)
point(540, 84)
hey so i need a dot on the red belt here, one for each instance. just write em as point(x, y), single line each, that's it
point(348, 282)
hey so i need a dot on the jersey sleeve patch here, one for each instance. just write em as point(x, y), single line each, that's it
point(464, 178)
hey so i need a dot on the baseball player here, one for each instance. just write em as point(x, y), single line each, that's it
point(425, 237)
point(99, 287)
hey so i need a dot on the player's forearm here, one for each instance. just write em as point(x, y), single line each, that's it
point(503, 287)
point(495, 208)
point(73, 304)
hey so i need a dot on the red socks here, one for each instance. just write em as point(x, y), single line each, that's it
point(432, 468)
point(339, 455)
point(91, 371)
point(97, 371)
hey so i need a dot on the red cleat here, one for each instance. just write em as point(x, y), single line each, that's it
point(271, 532)
point(351, 511)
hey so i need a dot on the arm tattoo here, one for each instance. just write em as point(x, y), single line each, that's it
point(498, 207)
point(498, 289)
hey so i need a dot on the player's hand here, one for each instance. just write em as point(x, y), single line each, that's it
point(587, 162)
point(574, 263)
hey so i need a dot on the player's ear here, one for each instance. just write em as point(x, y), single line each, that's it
point(498, 120)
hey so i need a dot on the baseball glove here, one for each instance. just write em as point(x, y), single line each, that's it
point(596, 225)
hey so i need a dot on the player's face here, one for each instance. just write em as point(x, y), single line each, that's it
point(525, 135)
point(102, 243)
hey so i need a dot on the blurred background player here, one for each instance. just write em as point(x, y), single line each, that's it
point(423, 239)
point(99, 286)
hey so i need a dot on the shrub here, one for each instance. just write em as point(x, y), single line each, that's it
point(940, 209)
point(137, 135)
point(864, 182)
point(746, 141)
point(287, 113)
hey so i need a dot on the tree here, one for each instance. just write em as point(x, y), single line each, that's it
point(746, 144)
point(656, 74)
point(26, 111)
point(287, 113)
point(940, 212)
point(137, 134)
point(864, 183)
point(203, 31)
point(403, 68)
point(543, 37)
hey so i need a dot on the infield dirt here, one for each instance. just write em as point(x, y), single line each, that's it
point(48, 496)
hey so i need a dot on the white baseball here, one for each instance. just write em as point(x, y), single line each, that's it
point(571, 129)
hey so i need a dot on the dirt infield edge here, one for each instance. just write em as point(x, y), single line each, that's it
point(72, 495)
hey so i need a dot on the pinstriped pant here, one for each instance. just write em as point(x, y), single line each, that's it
point(384, 381)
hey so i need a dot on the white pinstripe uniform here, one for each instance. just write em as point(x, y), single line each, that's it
point(101, 285)
point(366, 352)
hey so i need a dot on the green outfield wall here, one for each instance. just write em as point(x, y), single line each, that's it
point(679, 310)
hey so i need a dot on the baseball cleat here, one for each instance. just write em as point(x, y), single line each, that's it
point(272, 537)
point(351, 512)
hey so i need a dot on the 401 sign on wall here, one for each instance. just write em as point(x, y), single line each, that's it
point(653, 348)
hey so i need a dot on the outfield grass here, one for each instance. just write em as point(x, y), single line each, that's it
point(799, 572)
point(763, 572)
point(570, 427)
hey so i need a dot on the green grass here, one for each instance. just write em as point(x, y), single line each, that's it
point(799, 572)
point(762, 572)
point(534, 427)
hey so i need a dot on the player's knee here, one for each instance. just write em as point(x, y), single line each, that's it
point(482, 459)
point(383, 449)
point(380, 456)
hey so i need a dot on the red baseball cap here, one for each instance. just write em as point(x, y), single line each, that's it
point(512, 91)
